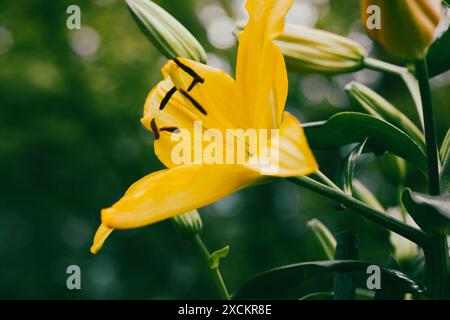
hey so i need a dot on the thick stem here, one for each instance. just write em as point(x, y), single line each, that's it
point(436, 258)
point(377, 216)
point(436, 250)
point(430, 127)
point(217, 276)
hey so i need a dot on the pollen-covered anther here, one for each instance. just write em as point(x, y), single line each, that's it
point(196, 77)
point(170, 129)
point(195, 103)
point(155, 129)
point(167, 97)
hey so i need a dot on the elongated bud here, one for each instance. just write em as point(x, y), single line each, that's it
point(309, 50)
point(323, 238)
point(404, 28)
point(368, 101)
point(168, 35)
point(189, 223)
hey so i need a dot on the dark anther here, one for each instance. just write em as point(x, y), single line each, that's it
point(191, 72)
point(154, 129)
point(194, 102)
point(170, 129)
point(166, 98)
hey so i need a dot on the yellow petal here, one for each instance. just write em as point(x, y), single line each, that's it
point(190, 92)
point(170, 192)
point(102, 233)
point(296, 157)
point(261, 76)
point(289, 154)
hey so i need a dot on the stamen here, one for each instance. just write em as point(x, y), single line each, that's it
point(194, 102)
point(167, 97)
point(191, 72)
point(170, 129)
point(154, 129)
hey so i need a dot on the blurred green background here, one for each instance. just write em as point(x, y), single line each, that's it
point(71, 144)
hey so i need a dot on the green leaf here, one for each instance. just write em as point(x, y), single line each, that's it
point(324, 241)
point(344, 176)
point(445, 147)
point(214, 259)
point(352, 127)
point(283, 282)
point(368, 101)
point(445, 171)
point(439, 55)
point(389, 291)
point(325, 295)
point(445, 177)
point(431, 213)
point(393, 169)
point(362, 193)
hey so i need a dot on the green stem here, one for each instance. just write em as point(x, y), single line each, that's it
point(436, 264)
point(436, 250)
point(325, 180)
point(430, 127)
point(215, 272)
point(375, 215)
point(383, 66)
point(402, 72)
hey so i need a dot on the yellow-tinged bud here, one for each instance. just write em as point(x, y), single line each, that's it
point(189, 223)
point(309, 50)
point(168, 35)
point(406, 28)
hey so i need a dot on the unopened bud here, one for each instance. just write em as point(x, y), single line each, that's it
point(309, 50)
point(189, 223)
point(406, 28)
point(165, 32)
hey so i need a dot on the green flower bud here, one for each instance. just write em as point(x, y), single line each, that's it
point(309, 50)
point(368, 101)
point(168, 35)
point(189, 223)
point(324, 240)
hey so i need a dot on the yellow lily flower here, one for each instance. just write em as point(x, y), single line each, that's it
point(193, 92)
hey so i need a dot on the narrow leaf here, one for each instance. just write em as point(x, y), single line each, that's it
point(445, 171)
point(368, 101)
point(325, 243)
point(351, 127)
point(216, 256)
point(389, 291)
point(344, 176)
point(362, 193)
point(284, 282)
point(325, 295)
